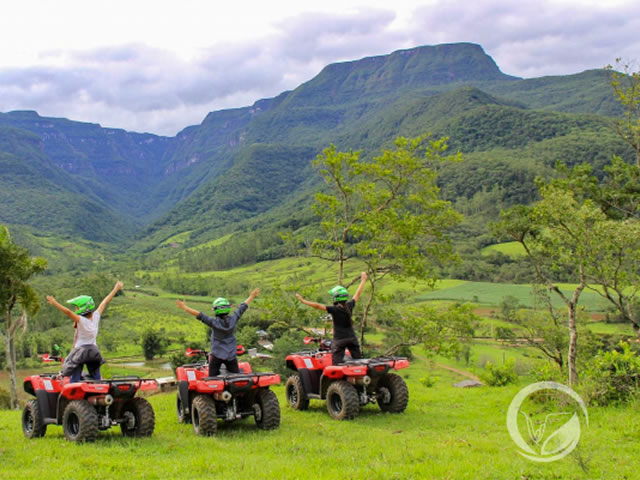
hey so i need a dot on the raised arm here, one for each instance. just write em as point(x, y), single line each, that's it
point(52, 301)
point(363, 280)
point(254, 293)
point(109, 297)
point(181, 304)
point(317, 306)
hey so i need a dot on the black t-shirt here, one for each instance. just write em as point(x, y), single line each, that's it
point(342, 326)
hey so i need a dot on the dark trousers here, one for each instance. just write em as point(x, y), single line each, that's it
point(88, 355)
point(215, 363)
point(338, 347)
point(94, 372)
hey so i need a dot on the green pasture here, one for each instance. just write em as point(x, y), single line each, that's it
point(510, 249)
point(178, 238)
point(485, 293)
point(611, 328)
point(446, 432)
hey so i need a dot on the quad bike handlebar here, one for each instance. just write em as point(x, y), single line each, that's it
point(194, 352)
point(323, 344)
point(48, 358)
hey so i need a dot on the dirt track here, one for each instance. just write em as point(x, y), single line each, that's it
point(458, 371)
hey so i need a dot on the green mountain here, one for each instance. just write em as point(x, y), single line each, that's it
point(119, 167)
point(42, 195)
point(247, 168)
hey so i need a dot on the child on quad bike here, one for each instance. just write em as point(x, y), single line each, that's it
point(341, 312)
point(86, 320)
point(223, 325)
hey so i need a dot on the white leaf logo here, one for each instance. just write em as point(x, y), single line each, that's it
point(562, 441)
point(563, 438)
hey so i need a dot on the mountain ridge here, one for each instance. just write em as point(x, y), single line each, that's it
point(151, 181)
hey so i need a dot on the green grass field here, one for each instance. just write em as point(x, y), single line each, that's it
point(485, 293)
point(510, 249)
point(446, 432)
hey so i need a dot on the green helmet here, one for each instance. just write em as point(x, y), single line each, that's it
point(221, 306)
point(339, 294)
point(83, 303)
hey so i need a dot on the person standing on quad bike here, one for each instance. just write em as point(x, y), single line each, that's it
point(341, 312)
point(86, 320)
point(223, 325)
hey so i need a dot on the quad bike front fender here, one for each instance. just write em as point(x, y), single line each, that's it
point(267, 380)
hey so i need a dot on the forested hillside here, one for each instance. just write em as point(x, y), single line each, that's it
point(248, 168)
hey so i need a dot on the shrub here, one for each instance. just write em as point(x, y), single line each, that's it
point(177, 360)
point(5, 399)
point(429, 380)
point(154, 342)
point(499, 375)
point(613, 377)
point(549, 372)
point(288, 343)
point(247, 336)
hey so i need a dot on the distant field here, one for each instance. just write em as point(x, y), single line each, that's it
point(511, 249)
point(611, 328)
point(485, 293)
point(177, 238)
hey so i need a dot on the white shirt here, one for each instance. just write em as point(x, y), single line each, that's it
point(87, 329)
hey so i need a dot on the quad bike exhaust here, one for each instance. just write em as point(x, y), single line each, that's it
point(101, 400)
point(225, 396)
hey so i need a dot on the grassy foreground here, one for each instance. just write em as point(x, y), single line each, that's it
point(446, 433)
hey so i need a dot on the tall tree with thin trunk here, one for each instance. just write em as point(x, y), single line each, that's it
point(16, 268)
point(386, 211)
point(339, 209)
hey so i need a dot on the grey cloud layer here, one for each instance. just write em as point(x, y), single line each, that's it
point(148, 89)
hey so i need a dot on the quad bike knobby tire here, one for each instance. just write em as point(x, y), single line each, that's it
point(203, 415)
point(80, 421)
point(139, 419)
point(342, 400)
point(296, 398)
point(33, 425)
point(392, 393)
point(180, 409)
point(267, 410)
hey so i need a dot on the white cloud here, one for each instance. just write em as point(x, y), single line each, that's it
point(151, 66)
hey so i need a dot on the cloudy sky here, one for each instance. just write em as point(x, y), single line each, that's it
point(158, 66)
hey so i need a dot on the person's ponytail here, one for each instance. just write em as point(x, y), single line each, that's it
point(346, 308)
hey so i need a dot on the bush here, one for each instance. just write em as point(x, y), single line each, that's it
point(154, 343)
point(247, 337)
point(177, 360)
point(429, 380)
point(5, 399)
point(288, 343)
point(613, 377)
point(499, 376)
point(549, 372)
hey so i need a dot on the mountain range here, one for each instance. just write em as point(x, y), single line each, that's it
point(108, 185)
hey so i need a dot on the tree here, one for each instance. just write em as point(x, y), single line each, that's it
point(16, 268)
point(442, 331)
point(556, 235)
point(282, 313)
point(626, 88)
point(509, 306)
point(154, 343)
point(387, 211)
point(340, 210)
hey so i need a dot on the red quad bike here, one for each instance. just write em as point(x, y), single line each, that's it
point(202, 400)
point(346, 386)
point(83, 408)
